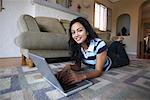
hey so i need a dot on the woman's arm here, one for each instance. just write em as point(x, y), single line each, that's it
point(100, 60)
point(75, 77)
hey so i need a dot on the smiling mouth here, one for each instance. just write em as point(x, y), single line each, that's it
point(78, 39)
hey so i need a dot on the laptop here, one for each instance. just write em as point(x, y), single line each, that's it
point(46, 70)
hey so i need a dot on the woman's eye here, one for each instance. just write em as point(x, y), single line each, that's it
point(80, 30)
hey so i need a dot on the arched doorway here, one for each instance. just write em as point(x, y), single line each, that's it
point(144, 30)
point(123, 25)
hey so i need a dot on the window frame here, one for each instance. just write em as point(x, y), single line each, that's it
point(107, 29)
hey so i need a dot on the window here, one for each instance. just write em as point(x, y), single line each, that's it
point(100, 20)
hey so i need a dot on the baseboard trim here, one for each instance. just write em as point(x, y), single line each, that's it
point(9, 57)
point(131, 53)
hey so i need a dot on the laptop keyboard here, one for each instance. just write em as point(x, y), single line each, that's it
point(64, 85)
point(68, 87)
point(56, 68)
point(75, 86)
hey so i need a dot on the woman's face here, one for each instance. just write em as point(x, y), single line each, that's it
point(78, 33)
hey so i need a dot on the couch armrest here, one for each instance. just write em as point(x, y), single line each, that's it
point(42, 40)
point(104, 36)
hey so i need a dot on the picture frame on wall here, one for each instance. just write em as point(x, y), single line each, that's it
point(65, 3)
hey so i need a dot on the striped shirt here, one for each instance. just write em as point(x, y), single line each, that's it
point(96, 46)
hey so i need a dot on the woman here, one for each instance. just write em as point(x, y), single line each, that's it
point(85, 47)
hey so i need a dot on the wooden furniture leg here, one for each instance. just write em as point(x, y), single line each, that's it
point(30, 63)
point(23, 60)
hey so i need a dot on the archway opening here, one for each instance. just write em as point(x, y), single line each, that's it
point(144, 31)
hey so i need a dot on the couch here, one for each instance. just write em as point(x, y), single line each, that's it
point(44, 36)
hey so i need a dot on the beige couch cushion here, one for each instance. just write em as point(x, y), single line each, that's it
point(27, 23)
point(51, 53)
point(65, 24)
point(42, 40)
point(104, 36)
point(52, 25)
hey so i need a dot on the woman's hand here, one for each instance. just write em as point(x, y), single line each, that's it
point(68, 66)
point(74, 67)
point(74, 77)
point(69, 77)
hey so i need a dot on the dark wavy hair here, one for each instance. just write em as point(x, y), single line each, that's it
point(75, 48)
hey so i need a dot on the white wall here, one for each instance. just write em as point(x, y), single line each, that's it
point(8, 22)
point(131, 8)
point(8, 25)
point(43, 11)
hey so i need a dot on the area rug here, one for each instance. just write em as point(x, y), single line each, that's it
point(130, 82)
